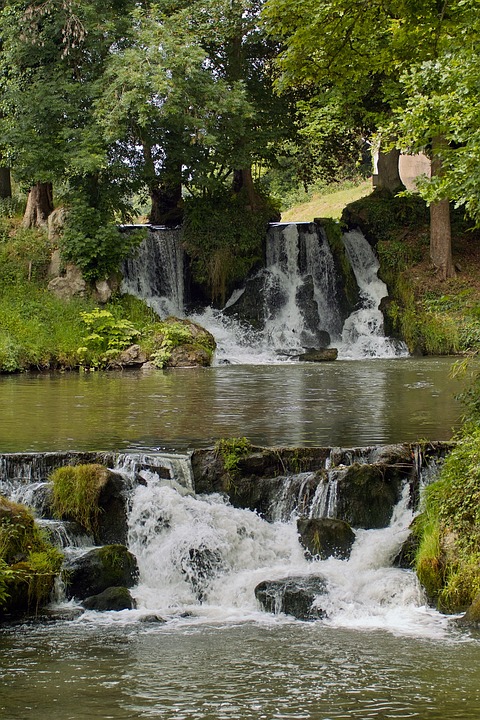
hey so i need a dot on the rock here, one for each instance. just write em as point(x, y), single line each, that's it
point(103, 291)
point(248, 308)
point(405, 558)
point(190, 356)
point(293, 596)
point(56, 223)
point(325, 537)
point(69, 285)
point(112, 527)
point(320, 355)
point(367, 494)
point(472, 616)
point(113, 598)
point(99, 569)
point(55, 266)
point(133, 356)
point(200, 565)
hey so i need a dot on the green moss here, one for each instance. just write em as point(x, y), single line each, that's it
point(334, 233)
point(448, 560)
point(76, 491)
point(29, 564)
point(232, 450)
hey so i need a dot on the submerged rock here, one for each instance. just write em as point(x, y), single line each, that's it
point(320, 355)
point(293, 596)
point(113, 598)
point(99, 569)
point(325, 537)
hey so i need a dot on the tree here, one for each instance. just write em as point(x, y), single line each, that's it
point(52, 57)
point(362, 49)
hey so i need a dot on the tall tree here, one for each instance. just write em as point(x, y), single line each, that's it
point(361, 49)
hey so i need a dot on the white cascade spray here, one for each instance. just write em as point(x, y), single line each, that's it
point(363, 332)
point(155, 272)
point(201, 559)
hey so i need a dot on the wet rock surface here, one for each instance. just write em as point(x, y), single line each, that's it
point(295, 596)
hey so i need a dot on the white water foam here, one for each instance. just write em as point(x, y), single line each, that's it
point(363, 332)
point(200, 557)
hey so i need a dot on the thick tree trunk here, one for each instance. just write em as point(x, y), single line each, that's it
point(39, 205)
point(5, 183)
point(388, 177)
point(243, 180)
point(440, 226)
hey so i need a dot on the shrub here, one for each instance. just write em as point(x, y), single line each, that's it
point(107, 336)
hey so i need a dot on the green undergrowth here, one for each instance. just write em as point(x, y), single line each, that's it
point(448, 558)
point(29, 563)
point(76, 493)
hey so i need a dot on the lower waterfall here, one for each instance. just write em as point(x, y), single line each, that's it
point(201, 558)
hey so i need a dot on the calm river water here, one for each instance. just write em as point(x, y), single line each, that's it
point(343, 403)
point(384, 657)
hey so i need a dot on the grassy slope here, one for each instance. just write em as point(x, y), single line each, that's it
point(327, 204)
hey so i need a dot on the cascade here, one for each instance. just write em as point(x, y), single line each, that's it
point(295, 302)
point(201, 558)
point(363, 333)
point(155, 273)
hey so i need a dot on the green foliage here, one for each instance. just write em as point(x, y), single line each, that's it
point(97, 246)
point(76, 491)
point(107, 336)
point(231, 450)
point(380, 216)
point(171, 334)
point(448, 559)
point(28, 562)
point(225, 239)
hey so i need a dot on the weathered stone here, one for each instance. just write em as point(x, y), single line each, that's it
point(112, 526)
point(293, 595)
point(99, 569)
point(320, 355)
point(189, 356)
point(133, 356)
point(367, 494)
point(325, 537)
point(472, 616)
point(103, 291)
point(113, 598)
point(69, 285)
point(56, 223)
point(55, 266)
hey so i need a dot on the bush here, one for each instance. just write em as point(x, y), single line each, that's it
point(95, 244)
point(225, 240)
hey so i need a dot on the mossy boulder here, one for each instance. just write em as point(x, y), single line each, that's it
point(297, 596)
point(113, 598)
point(472, 617)
point(99, 569)
point(28, 563)
point(181, 343)
point(325, 537)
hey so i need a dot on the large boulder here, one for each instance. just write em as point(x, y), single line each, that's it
point(69, 285)
point(113, 598)
point(472, 617)
point(325, 537)
point(297, 596)
point(319, 355)
point(99, 569)
point(367, 494)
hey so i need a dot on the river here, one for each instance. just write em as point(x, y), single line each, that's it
point(381, 652)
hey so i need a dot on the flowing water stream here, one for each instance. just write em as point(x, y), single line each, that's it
point(198, 646)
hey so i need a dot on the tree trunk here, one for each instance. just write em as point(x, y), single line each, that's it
point(39, 205)
point(166, 205)
point(388, 177)
point(5, 183)
point(440, 227)
point(242, 180)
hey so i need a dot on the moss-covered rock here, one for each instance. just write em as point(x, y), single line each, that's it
point(99, 569)
point(113, 598)
point(367, 494)
point(325, 537)
point(295, 596)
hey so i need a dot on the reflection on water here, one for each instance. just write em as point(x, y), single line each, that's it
point(278, 670)
point(341, 403)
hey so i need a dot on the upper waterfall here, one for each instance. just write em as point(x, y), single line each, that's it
point(295, 302)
